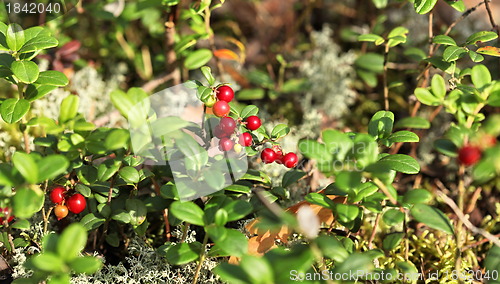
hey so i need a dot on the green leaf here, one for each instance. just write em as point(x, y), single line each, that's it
point(182, 253)
point(360, 262)
point(231, 273)
point(446, 147)
point(280, 130)
point(207, 72)
point(452, 53)
point(87, 174)
point(86, 264)
point(251, 94)
point(15, 37)
point(426, 97)
point(393, 217)
point(197, 58)
point(346, 213)
point(391, 241)
point(337, 143)
point(444, 40)
point(400, 163)
point(292, 176)
point(332, 248)
point(26, 165)
point(371, 38)
point(36, 92)
point(39, 43)
point(21, 225)
point(372, 62)
point(403, 136)
point(52, 78)
point(235, 243)
point(432, 217)
point(413, 122)
point(48, 262)
point(380, 4)
point(480, 76)
point(71, 242)
point(475, 57)
point(91, 221)
point(424, 6)
point(482, 36)
point(249, 111)
point(457, 5)
point(12, 110)
point(319, 199)
point(438, 86)
point(237, 210)
point(489, 50)
point(188, 212)
point(51, 166)
point(418, 195)
point(26, 71)
point(129, 174)
point(381, 124)
point(27, 202)
point(252, 264)
point(69, 108)
point(117, 138)
point(315, 150)
point(137, 211)
point(492, 264)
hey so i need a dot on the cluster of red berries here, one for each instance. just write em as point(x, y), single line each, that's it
point(220, 106)
point(470, 154)
point(4, 212)
point(76, 203)
point(227, 126)
point(270, 155)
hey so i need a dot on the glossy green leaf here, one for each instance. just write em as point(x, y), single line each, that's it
point(25, 71)
point(426, 97)
point(71, 242)
point(346, 213)
point(235, 243)
point(86, 265)
point(413, 122)
point(197, 58)
point(482, 36)
point(51, 166)
point(26, 165)
point(452, 53)
point(37, 43)
point(372, 62)
point(424, 6)
point(480, 76)
point(280, 130)
point(15, 36)
point(36, 92)
point(371, 38)
point(182, 253)
point(432, 217)
point(393, 217)
point(403, 136)
point(91, 221)
point(249, 111)
point(438, 86)
point(12, 110)
point(27, 202)
point(380, 125)
point(400, 163)
point(237, 210)
point(475, 57)
point(207, 73)
point(418, 195)
point(187, 211)
point(69, 108)
point(137, 211)
point(52, 78)
point(444, 40)
point(291, 177)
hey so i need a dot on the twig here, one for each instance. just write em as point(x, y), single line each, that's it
point(202, 259)
point(465, 220)
point(384, 78)
point(374, 231)
point(490, 15)
point(275, 209)
point(384, 189)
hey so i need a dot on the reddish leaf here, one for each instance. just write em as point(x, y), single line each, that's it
point(489, 50)
point(226, 54)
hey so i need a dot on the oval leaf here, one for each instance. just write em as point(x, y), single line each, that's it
point(26, 71)
point(12, 110)
point(432, 217)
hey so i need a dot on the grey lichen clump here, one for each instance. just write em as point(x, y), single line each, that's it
point(329, 73)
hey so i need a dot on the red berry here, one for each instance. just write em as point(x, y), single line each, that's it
point(268, 155)
point(61, 211)
point(225, 93)
point(57, 194)
point(219, 133)
point(4, 212)
point(469, 155)
point(290, 160)
point(76, 203)
point(253, 122)
point(226, 144)
point(246, 139)
point(221, 109)
point(279, 156)
point(227, 125)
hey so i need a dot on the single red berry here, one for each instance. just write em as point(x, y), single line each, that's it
point(290, 160)
point(57, 194)
point(4, 212)
point(268, 155)
point(76, 203)
point(469, 155)
point(228, 125)
point(61, 211)
point(253, 122)
point(245, 139)
point(225, 93)
point(226, 144)
point(221, 109)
